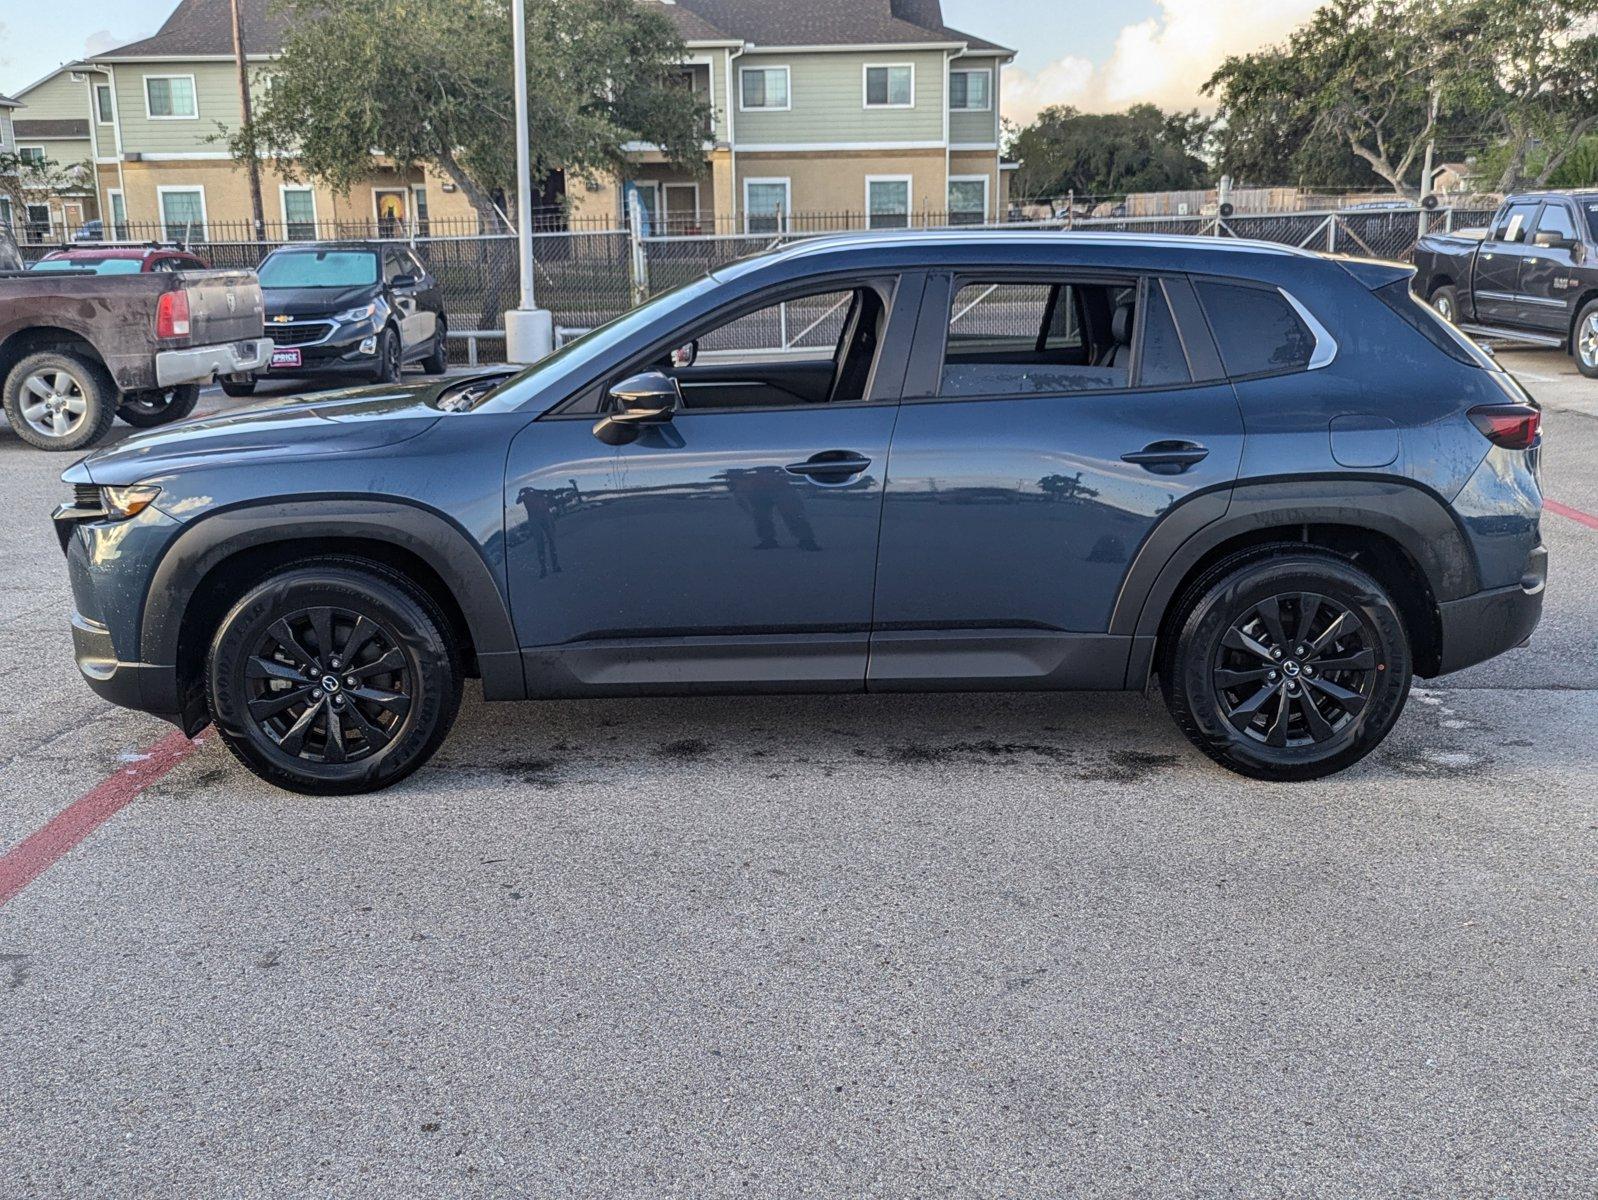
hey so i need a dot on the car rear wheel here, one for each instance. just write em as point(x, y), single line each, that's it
point(238, 387)
point(1446, 301)
point(145, 410)
point(1286, 663)
point(1585, 343)
point(57, 400)
point(388, 358)
point(332, 678)
point(437, 361)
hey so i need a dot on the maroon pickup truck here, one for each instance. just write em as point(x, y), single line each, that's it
point(78, 349)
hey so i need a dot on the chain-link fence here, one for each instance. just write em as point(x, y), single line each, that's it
point(587, 276)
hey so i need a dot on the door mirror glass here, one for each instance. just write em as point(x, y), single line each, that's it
point(685, 356)
point(648, 399)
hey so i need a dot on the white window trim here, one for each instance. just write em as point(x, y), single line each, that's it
point(283, 190)
point(194, 90)
point(986, 193)
point(164, 189)
point(21, 146)
point(909, 195)
point(988, 107)
point(787, 200)
point(665, 207)
point(865, 76)
point(112, 99)
point(787, 91)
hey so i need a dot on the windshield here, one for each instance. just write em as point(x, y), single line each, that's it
point(101, 266)
point(319, 269)
point(592, 346)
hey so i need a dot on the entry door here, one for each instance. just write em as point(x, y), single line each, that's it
point(391, 212)
point(1027, 473)
point(733, 548)
point(1497, 280)
point(682, 207)
point(1547, 273)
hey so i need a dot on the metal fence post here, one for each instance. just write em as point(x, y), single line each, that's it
point(1331, 233)
point(638, 262)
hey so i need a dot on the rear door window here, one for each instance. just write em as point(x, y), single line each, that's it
point(1255, 328)
point(1014, 339)
point(1162, 362)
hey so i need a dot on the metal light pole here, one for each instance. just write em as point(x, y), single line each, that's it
point(529, 330)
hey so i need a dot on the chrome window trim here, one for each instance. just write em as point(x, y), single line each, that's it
point(1325, 351)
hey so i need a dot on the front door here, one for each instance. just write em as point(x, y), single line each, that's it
point(391, 210)
point(1496, 284)
point(735, 547)
point(1027, 470)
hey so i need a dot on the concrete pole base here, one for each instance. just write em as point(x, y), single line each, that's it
point(529, 334)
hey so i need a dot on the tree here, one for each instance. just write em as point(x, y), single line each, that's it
point(26, 181)
point(1098, 154)
point(364, 84)
point(1376, 78)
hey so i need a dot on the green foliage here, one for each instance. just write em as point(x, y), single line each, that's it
point(23, 180)
point(1101, 154)
point(366, 83)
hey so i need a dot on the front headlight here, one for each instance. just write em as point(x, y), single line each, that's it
point(129, 501)
point(364, 313)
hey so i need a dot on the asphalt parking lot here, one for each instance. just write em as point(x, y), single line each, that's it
point(987, 945)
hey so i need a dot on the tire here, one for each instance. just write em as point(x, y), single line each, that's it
point(437, 360)
point(274, 715)
point(388, 358)
point(57, 400)
point(146, 410)
point(1218, 659)
point(1446, 301)
point(238, 389)
point(1584, 345)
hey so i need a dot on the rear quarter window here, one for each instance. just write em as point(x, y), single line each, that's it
point(1255, 328)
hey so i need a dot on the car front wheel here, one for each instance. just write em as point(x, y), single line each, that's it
point(388, 358)
point(1286, 663)
point(333, 677)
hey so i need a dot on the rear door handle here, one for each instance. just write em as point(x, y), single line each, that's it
point(1168, 458)
point(830, 466)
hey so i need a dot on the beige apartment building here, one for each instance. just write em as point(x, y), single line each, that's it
point(826, 113)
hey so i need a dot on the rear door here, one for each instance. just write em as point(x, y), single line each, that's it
point(1495, 285)
point(1547, 273)
point(402, 278)
point(1051, 420)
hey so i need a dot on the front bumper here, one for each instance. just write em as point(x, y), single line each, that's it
point(145, 687)
point(1476, 628)
point(201, 364)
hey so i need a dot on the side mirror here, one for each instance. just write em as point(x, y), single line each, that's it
point(1551, 241)
point(400, 282)
point(685, 356)
point(648, 399)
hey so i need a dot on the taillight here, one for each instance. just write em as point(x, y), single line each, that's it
point(172, 315)
point(1512, 426)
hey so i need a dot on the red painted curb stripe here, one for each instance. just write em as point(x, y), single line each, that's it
point(47, 845)
point(1575, 514)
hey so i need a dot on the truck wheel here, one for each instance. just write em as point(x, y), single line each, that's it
point(238, 387)
point(333, 677)
point(1585, 344)
point(146, 410)
point(57, 400)
point(1286, 663)
point(1446, 301)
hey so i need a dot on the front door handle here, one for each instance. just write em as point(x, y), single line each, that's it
point(830, 466)
point(1168, 458)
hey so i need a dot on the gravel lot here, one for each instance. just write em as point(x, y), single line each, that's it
point(986, 946)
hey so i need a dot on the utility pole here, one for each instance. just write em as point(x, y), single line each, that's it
point(256, 212)
point(529, 330)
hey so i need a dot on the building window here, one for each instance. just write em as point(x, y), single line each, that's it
point(971, 91)
point(182, 214)
point(763, 88)
point(102, 103)
point(766, 205)
point(38, 222)
point(5, 211)
point(119, 214)
point(419, 207)
point(892, 86)
point(299, 214)
point(32, 156)
point(968, 200)
point(170, 97)
point(887, 201)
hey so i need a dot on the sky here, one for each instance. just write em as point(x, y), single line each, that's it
point(1099, 57)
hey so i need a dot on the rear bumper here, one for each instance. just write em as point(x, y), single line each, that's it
point(1476, 628)
point(201, 364)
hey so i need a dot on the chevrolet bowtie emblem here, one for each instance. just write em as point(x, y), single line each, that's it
point(282, 320)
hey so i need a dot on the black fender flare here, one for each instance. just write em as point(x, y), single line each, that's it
point(445, 547)
point(1416, 519)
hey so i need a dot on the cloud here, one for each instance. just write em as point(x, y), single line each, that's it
point(102, 40)
point(1163, 60)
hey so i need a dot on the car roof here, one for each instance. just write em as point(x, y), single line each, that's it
point(99, 253)
point(295, 247)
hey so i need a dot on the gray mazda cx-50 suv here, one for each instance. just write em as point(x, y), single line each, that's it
point(993, 460)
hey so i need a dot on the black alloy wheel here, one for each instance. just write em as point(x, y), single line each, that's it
point(388, 358)
point(333, 677)
point(1285, 663)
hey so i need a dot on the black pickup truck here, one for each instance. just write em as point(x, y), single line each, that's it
point(1530, 276)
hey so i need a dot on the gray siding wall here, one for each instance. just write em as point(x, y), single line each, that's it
point(827, 92)
point(217, 99)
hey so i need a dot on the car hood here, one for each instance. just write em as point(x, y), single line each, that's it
point(315, 302)
point(343, 422)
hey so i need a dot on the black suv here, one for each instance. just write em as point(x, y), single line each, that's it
point(355, 311)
